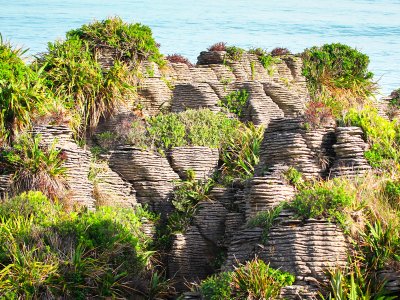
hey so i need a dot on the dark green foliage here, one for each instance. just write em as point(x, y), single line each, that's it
point(235, 102)
point(323, 201)
point(392, 192)
point(395, 98)
point(133, 41)
point(186, 196)
point(22, 93)
point(338, 76)
point(342, 65)
point(265, 220)
point(253, 280)
point(294, 177)
point(78, 255)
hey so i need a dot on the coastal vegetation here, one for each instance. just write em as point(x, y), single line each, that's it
point(52, 249)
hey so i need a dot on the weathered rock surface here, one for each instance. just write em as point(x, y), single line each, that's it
point(5, 185)
point(150, 174)
point(202, 160)
point(77, 162)
point(194, 96)
point(154, 95)
point(287, 142)
point(349, 149)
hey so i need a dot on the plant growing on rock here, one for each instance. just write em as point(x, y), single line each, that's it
point(132, 41)
point(267, 60)
point(220, 46)
point(177, 58)
point(235, 102)
point(253, 280)
point(395, 98)
point(318, 115)
point(23, 95)
point(265, 220)
point(36, 167)
point(234, 53)
point(340, 72)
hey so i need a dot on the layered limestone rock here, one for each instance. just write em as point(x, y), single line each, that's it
point(150, 174)
point(190, 259)
point(154, 96)
point(288, 142)
point(306, 249)
point(349, 149)
point(110, 189)
point(265, 193)
point(211, 57)
point(194, 96)
point(5, 185)
point(77, 162)
point(202, 160)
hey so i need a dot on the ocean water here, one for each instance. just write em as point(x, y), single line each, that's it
point(188, 27)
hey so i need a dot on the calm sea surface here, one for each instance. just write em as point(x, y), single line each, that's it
point(188, 27)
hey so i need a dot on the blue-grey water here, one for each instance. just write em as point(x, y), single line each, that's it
point(188, 27)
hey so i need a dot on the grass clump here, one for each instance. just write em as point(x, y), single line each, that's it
point(268, 60)
point(23, 95)
point(234, 53)
point(36, 167)
point(253, 280)
point(338, 75)
point(46, 252)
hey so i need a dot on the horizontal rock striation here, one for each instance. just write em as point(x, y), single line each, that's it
point(306, 249)
point(148, 172)
point(349, 149)
point(154, 96)
point(287, 142)
point(5, 185)
point(77, 162)
point(202, 160)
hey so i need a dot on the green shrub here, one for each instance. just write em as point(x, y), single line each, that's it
point(36, 167)
point(323, 200)
point(338, 75)
point(382, 134)
point(392, 192)
point(133, 41)
point(266, 59)
point(45, 250)
point(294, 177)
point(22, 93)
point(217, 287)
point(235, 102)
point(192, 127)
point(254, 280)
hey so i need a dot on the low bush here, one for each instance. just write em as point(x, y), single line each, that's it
point(280, 51)
point(318, 115)
point(266, 59)
point(133, 41)
point(395, 98)
point(234, 53)
point(46, 252)
point(253, 280)
point(241, 153)
point(265, 220)
point(235, 102)
point(392, 193)
point(338, 75)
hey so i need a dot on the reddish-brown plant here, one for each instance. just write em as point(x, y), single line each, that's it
point(280, 51)
point(318, 114)
point(177, 58)
point(220, 46)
